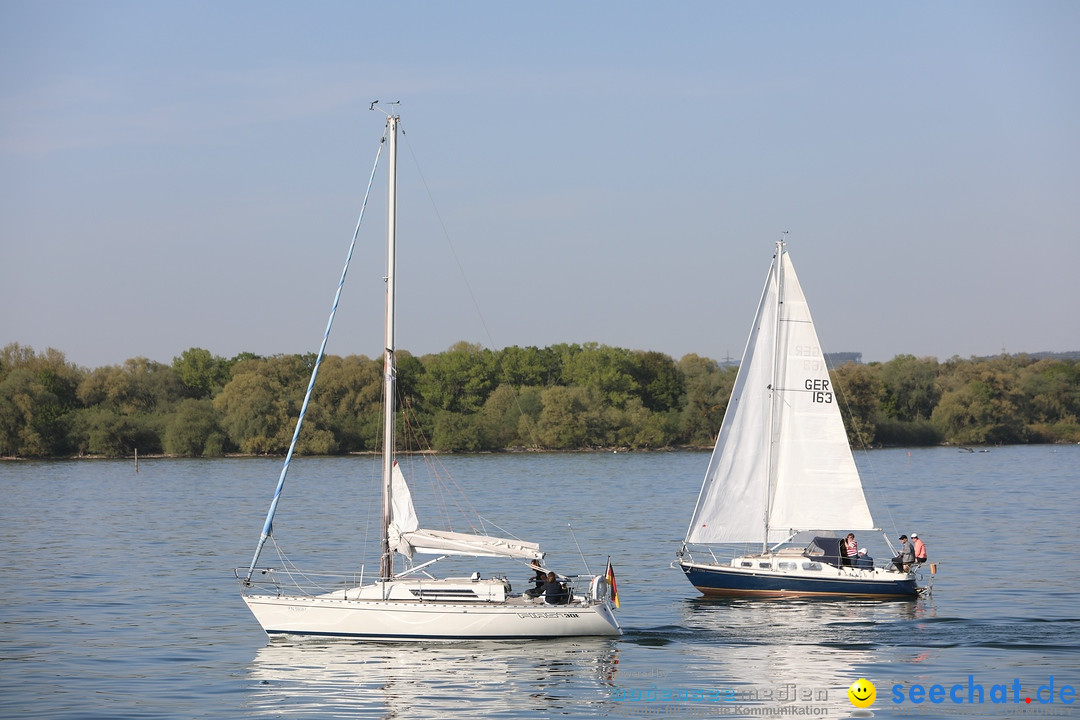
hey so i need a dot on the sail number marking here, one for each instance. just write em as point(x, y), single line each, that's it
point(819, 390)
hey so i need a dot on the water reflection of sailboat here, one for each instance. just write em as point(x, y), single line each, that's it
point(405, 681)
point(791, 653)
point(834, 623)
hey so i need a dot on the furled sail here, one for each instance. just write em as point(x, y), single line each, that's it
point(782, 463)
point(442, 542)
point(402, 513)
point(407, 538)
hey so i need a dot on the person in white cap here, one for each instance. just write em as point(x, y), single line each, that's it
point(862, 560)
point(920, 548)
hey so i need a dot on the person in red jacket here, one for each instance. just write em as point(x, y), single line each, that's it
point(920, 548)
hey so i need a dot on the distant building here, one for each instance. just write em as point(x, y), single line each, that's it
point(835, 360)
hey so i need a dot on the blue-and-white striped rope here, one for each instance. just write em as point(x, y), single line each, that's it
point(269, 524)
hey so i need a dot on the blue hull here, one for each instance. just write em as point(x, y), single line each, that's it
point(727, 582)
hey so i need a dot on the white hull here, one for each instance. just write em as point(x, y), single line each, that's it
point(421, 620)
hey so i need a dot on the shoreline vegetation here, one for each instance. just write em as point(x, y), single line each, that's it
point(372, 453)
point(469, 399)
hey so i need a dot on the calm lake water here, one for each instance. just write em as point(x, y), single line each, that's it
point(119, 599)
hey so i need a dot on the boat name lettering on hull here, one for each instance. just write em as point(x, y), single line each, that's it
point(551, 615)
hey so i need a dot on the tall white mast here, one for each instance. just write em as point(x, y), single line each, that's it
point(386, 565)
point(774, 391)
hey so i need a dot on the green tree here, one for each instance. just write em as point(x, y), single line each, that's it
point(350, 390)
point(1052, 391)
point(251, 414)
point(458, 380)
point(510, 417)
point(909, 387)
point(256, 410)
point(610, 372)
point(127, 407)
point(37, 396)
point(858, 391)
point(194, 430)
point(103, 431)
point(707, 390)
point(460, 432)
point(981, 404)
point(30, 417)
point(635, 426)
point(202, 373)
point(529, 366)
point(137, 386)
point(659, 381)
point(410, 374)
point(569, 418)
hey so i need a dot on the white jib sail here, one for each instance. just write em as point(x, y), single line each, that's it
point(407, 538)
point(731, 507)
point(805, 478)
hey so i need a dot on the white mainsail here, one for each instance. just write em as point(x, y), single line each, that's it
point(408, 538)
point(782, 463)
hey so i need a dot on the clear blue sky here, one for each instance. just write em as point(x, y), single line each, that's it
point(188, 174)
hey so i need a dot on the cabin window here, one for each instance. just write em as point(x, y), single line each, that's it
point(767, 566)
point(747, 563)
point(811, 566)
point(789, 566)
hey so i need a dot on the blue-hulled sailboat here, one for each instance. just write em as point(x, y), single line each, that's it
point(782, 477)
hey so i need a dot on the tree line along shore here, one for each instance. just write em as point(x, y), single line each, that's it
point(472, 399)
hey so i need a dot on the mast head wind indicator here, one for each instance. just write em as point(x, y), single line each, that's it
point(376, 102)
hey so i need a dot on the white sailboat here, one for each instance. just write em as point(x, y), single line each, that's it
point(411, 604)
point(782, 471)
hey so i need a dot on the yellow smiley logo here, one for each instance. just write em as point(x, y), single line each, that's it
point(862, 693)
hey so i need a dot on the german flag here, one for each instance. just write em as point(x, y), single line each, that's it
point(610, 576)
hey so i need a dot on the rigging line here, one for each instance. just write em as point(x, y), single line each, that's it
point(292, 571)
point(472, 296)
point(268, 525)
point(370, 507)
point(495, 525)
point(444, 486)
point(871, 476)
point(583, 560)
point(414, 438)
